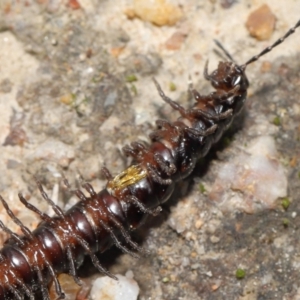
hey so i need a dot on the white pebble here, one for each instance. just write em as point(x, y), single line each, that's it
point(253, 180)
point(107, 288)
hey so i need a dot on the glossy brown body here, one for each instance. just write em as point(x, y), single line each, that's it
point(97, 222)
point(29, 263)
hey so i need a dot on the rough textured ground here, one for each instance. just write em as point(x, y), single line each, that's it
point(68, 105)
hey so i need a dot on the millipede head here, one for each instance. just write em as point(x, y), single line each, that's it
point(227, 76)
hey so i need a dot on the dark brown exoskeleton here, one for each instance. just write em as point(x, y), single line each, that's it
point(29, 263)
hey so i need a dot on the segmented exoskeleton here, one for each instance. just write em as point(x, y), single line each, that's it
point(30, 262)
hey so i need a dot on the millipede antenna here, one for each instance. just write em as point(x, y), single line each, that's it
point(227, 54)
point(268, 49)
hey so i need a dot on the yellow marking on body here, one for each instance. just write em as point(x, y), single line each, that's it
point(128, 177)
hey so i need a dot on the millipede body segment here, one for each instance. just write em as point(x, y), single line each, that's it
point(29, 263)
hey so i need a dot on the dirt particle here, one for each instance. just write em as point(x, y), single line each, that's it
point(227, 3)
point(176, 40)
point(265, 67)
point(261, 23)
point(74, 4)
point(6, 86)
point(158, 12)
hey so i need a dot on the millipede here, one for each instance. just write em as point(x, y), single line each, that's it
point(31, 262)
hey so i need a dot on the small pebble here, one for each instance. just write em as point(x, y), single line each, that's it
point(158, 12)
point(261, 23)
point(53, 150)
point(253, 180)
point(107, 288)
point(176, 40)
point(214, 239)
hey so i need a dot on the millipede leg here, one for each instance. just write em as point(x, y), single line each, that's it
point(31, 207)
point(23, 228)
point(129, 151)
point(168, 168)
point(115, 239)
point(11, 234)
point(78, 193)
point(27, 291)
point(227, 54)
point(89, 189)
point(142, 207)
point(172, 103)
point(126, 235)
point(205, 72)
point(45, 196)
point(12, 289)
point(106, 173)
point(156, 177)
point(93, 257)
point(58, 289)
point(41, 280)
point(108, 215)
point(72, 270)
point(227, 97)
point(206, 132)
point(217, 117)
point(17, 294)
